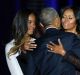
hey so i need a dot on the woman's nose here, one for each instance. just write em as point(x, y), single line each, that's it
point(33, 25)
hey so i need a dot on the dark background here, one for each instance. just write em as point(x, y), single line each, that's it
point(8, 9)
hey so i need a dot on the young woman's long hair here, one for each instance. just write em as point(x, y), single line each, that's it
point(20, 28)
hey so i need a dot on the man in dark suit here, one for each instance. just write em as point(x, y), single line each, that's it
point(46, 62)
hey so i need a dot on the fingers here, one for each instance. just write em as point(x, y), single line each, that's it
point(33, 46)
point(50, 47)
point(59, 41)
point(32, 42)
point(30, 46)
point(50, 51)
point(32, 39)
point(52, 43)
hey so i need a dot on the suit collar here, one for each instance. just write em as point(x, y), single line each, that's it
point(52, 31)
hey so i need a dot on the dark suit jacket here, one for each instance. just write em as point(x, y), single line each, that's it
point(42, 62)
point(26, 63)
point(48, 63)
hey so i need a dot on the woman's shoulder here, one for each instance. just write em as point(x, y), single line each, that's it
point(9, 45)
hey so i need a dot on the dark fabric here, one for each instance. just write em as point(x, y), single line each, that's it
point(27, 64)
point(49, 63)
point(73, 59)
point(42, 62)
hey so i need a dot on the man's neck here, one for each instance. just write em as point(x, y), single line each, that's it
point(51, 26)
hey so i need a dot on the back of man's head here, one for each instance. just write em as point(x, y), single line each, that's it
point(47, 16)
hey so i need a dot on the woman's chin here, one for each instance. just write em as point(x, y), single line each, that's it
point(30, 33)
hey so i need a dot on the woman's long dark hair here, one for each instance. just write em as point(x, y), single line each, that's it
point(20, 24)
point(20, 27)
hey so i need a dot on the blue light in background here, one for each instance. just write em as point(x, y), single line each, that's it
point(17, 6)
point(70, 2)
point(51, 3)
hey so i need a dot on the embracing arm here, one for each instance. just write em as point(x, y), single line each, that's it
point(59, 49)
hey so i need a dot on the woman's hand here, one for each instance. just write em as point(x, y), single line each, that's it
point(58, 49)
point(29, 45)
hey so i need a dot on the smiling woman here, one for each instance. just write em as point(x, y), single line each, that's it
point(69, 21)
